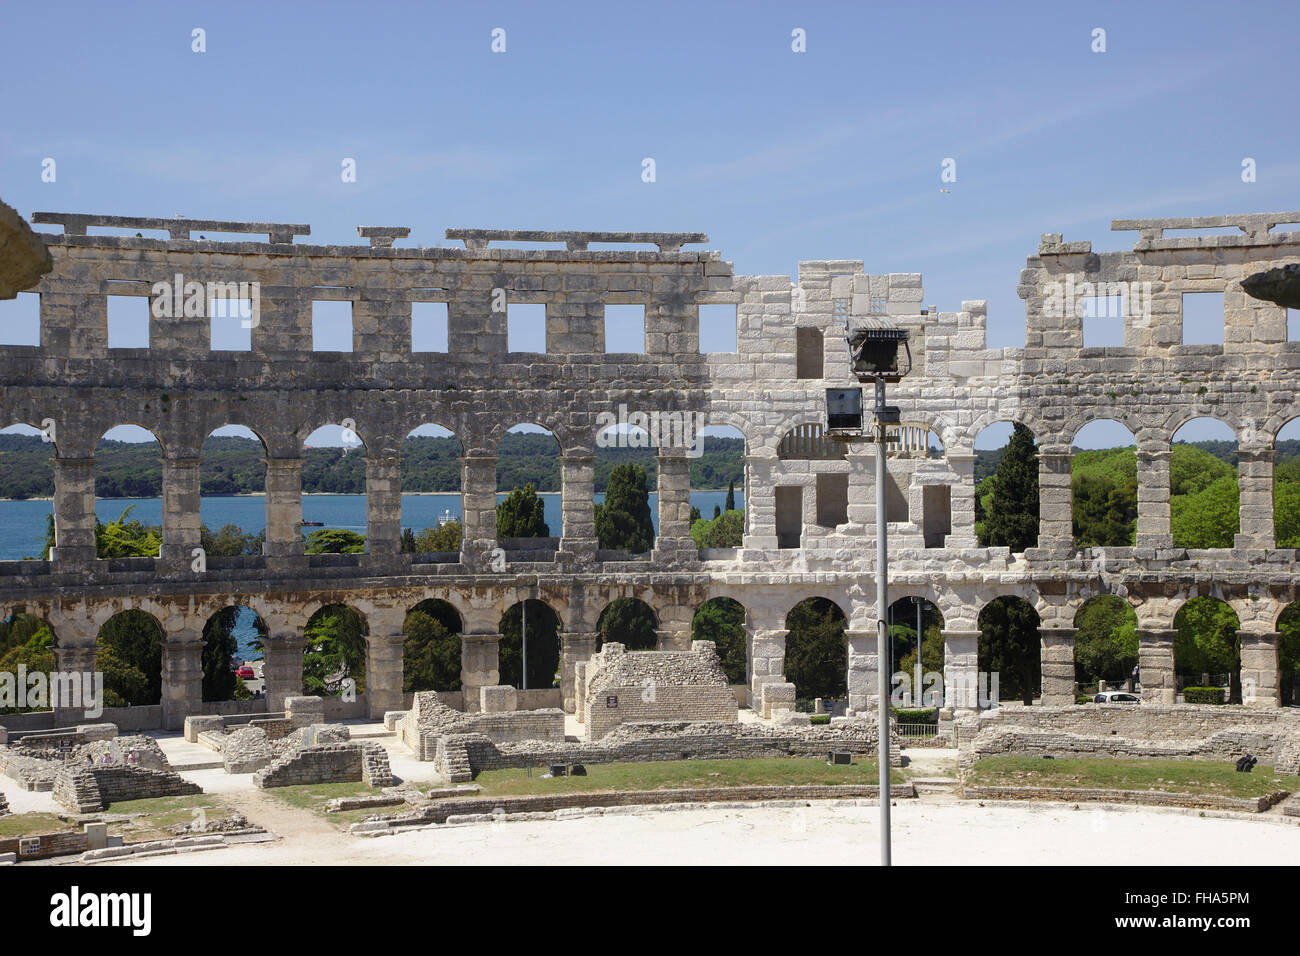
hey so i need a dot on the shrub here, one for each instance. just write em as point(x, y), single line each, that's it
point(1203, 695)
point(920, 715)
point(1083, 698)
point(820, 719)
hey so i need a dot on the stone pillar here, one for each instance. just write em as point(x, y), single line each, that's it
point(766, 661)
point(1153, 496)
point(182, 680)
point(962, 502)
point(1255, 484)
point(383, 504)
point(180, 511)
point(282, 668)
point(1259, 668)
point(864, 668)
point(674, 533)
point(479, 666)
point(478, 483)
point(75, 660)
point(961, 671)
point(577, 492)
point(1156, 665)
point(1058, 665)
point(1055, 507)
point(74, 511)
point(760, 504)
point(384, 660)
point(284, 507)
point(575, 648)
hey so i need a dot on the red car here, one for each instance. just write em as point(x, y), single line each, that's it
point(245, 672)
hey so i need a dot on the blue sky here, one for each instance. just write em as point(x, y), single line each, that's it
point(831, 153)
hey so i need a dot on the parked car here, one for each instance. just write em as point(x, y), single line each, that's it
point(245, 672)
point(1116, 697)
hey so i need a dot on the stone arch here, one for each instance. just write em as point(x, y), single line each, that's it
point(1205, 490)
point(1207, 644)
point(1105, 642)
point(438, 484)
point(431, 647)
point(629, 621)
point(217, 481)
point(1020, 528)
point(1009, 649)
point(550, 489)
point(1103, 486)
point(335, 650)
point(1287, 626)
point(222, 631)
point(543, 633)
point(340, 452)
point(902, 625)
point(129, 653)
point(816, 648)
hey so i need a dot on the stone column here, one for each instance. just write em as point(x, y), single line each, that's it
point(180, 511)
point(282, 668)
point(75, 660)
point(577, 492)
point(575, 647)
point(383, 504)
point(479, 666)
point(478, 484)
point(1058, 665)
point(74, 511)
point(1153, 496)
point(766, 661)
point(1055, 508)
point(1156, 665)
point(384, 666)
point(760, 504)
point(962, 502)
point(284, 507)
point(1259, 668)
point(864, 669)
point(961, 671)
point(674, 533)
point(182, 680)
point(1255, 484)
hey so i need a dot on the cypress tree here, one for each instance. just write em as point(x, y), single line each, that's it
point(623, 521)
point(1012, 518)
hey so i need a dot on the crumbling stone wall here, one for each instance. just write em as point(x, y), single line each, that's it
point(329, 763)
point(429, 719)
point(626, 686)
point(88, 790)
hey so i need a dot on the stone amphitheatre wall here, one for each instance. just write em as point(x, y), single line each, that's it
point(809, 506)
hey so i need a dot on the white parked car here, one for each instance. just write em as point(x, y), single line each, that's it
point(1116, 697)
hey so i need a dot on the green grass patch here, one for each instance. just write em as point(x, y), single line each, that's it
point(155, 817)
point(313, 796)
point(679, 774)
point(27, 824)
point(1219, 778)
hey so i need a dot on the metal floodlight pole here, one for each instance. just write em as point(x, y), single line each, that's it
point(882, 643)
point(919, 666)
point(523, 633)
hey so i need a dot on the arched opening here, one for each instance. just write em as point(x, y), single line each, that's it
point(816, 650)
point(1203, 496)
point(1103, 482)
point(630, 622)
point(626, 472)
point(904, 616)
point(722, 621)
point(26, 641)
point(1207, 651)
point(128, 490)
point(1105, 644)
point(1286, 485)
point(718, 488)
point(1010, 650)
point(1288, 655)
point(334, 659)
point(128, 652)
point(431, 501)
point(431, 647)
point(528, 484)
point(232, 489)
point(27, 484)
point(334, 490)
point(532, 629)
point(232, 650)
point(1006, 487)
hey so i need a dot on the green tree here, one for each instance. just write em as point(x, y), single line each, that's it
point(1207, 643)
point(623, 522)
point(731, 497)
point(219, 649)
point(725, 531)
point(444, 538)
point(25, 641)
point(1105, 641)
point(816, 650)
point(722, 621)
point(126, 539)
point(335, 541)
point(1009, 646)
point(630, 622)
point(1011, 515)
point(335, 652)
point(230, 540)
point(431, 650)
point(522, 515)
point(129, 653)
point(1207, 518)
point(543, 646)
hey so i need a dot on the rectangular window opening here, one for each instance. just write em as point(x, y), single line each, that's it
point(230, 324)
point(128, 321)
point(809, 353)
point(625, 328)
point(331, 326)
point(20, 320)
point(717, 328)
point(526, 327)
point(1293, 325)
point(789, 516)
point(429, 327)
point(1103, 321)
point(1202, 318)
point(832, 500)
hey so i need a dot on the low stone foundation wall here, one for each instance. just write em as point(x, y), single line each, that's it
point(1154, 798)
point(363, 761)
point(430, 718)
point(87, 790)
